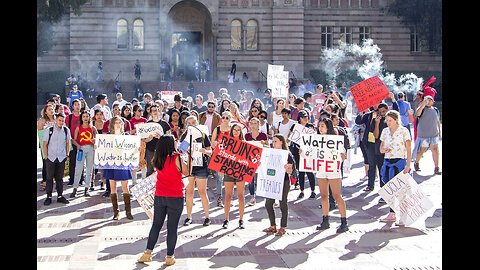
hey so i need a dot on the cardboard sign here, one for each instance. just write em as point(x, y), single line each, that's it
point(297, 132)
point(277, 80)
point(369, 92)
point(235, 158)
point(321, 153)
point(144, 130)
point(404, 196)
point(271, 173)
point(144, 193)
point(168, 96)
point(117, 152)
point(197, 156)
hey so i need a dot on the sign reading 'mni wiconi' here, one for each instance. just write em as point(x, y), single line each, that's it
point(117, 152)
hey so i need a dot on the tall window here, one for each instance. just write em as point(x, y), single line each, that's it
point(327, 37)
point(236, 35)
point(138, 35)
point(414, 40)
point(122, 34)
point(364, 33)
point(346, 33)
point(252, 35)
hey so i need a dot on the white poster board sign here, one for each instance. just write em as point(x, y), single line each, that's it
point(117, 152)
point(321, 153)
point(144, 130)
point(168, 96)
point(144, 193)
point(404, 196)
point(277, 81)
point(297, 132)
point(271, 173)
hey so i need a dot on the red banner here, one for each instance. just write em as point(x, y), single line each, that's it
point(235, 158)
point(369, 92)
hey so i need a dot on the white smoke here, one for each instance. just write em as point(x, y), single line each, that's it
point(366, 60)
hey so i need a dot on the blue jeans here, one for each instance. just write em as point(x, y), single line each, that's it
point(163, 206)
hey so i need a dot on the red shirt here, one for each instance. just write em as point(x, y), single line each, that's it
point(169, 180)
point(133, 121)
point(85, 135)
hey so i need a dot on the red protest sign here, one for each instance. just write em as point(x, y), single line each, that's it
point(235, 158)
point(369, 92)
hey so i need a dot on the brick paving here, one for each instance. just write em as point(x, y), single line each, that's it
point(81, 235)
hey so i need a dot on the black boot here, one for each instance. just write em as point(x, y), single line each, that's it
point(343, 226)
point(325, 224)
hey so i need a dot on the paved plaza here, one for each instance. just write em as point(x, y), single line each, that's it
point(82, 234)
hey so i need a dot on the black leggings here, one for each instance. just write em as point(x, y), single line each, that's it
point(163, 206)
point(283, 206)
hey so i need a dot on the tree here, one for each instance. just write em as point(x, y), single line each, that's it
point(48, 13)
point(425, 15)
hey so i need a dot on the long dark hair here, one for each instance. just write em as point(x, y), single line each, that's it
point(165, 148)
point(329, 124)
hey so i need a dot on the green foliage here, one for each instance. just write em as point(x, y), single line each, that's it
point(425, 15)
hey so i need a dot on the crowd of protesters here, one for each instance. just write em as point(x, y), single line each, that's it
point(383, 133)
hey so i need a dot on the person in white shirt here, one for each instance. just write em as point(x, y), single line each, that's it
point(120, 101)
point(102, 102)
point(283, 127)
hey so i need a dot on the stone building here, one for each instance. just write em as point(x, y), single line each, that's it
point(251, 32)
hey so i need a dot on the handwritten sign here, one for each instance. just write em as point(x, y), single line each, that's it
point(235, 158)
point(369, 92)
point(168, 95)
point(271, 173)
point(404, 196)
point(117, 152)
point(197, 156)
point(297, 132)
point(277, 79)
point(144, 193)
point(321, 153)
point(144, 130)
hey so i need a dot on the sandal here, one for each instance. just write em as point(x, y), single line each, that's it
point(271, 229)
point(280, 232)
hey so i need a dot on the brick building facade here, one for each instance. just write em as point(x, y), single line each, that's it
point(253, 32)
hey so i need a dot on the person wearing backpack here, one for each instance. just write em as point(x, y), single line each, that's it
point(56, 145)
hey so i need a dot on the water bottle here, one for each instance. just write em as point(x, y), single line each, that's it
point(80, 155)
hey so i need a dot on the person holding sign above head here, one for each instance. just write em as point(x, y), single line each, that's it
point(396, 145)
point(279, 142)
point(237, 133)
point(169, 196)
point(199, 174)
point(332, 179)
point(116, 127)
point(303, 120)
point(255, 135)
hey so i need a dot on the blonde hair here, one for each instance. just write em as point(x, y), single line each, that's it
point(394, 114)
point(111, 125)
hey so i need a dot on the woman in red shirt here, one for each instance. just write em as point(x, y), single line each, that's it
point(169, 196)
point(84, 136)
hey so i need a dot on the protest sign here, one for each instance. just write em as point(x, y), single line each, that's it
point(271, 173)
point(277, 80)
point(369, 92)
point(297, 132)
point(168, 95)
point(197, 156)
point(117, 152)
point(144, 193)
point(235, 158)
point(321, 153)
point(144, 130)
point(404, 196)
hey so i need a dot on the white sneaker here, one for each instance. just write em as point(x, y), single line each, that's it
point(252, 201)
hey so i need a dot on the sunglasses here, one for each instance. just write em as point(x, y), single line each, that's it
point(211, 106)
point(226, 118)
point(262, 116)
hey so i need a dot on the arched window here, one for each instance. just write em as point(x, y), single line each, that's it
point(252, 35)
point(236, 35)
point(122, 34)
point(138, 35)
